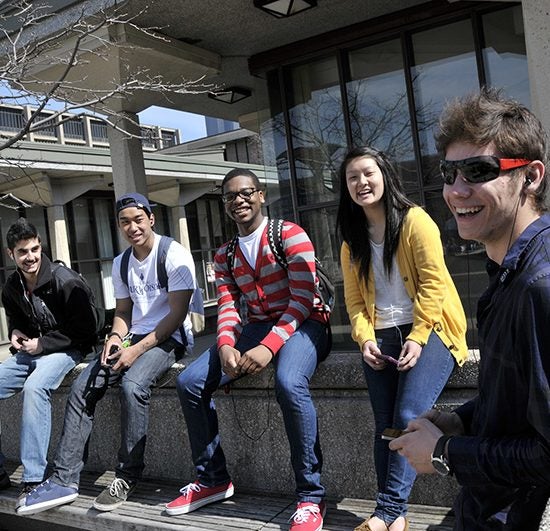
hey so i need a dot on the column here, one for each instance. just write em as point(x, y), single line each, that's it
point(57, 228)
point(179, 218)
point(127, 155)
point(536, 20)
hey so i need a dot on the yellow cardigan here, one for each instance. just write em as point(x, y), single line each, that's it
point(422, 266)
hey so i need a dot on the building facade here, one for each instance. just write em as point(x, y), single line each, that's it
point(339, 74)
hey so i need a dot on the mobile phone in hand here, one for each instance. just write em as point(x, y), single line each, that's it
point(389, 434)
point(385, 357)
point(111, 361)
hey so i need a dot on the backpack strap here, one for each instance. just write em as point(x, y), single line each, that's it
point(162, 275)
point(230, 253)
point(124, 265)
point(162, 252)
point(275, 240)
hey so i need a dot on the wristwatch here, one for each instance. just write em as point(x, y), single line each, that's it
point(439, 461)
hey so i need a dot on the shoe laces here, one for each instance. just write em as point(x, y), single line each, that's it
point(118, 487)
point(189, 488)
point(28, 488)
point(303, 512)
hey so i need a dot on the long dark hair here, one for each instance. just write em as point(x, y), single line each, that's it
point(351, 219)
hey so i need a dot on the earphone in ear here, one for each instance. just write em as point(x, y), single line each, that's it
point(528, 181)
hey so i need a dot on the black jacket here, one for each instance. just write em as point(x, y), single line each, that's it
point(504, 459)
point(59, 310)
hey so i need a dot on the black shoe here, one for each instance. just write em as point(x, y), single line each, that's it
point(5, 482)
point(114, 495)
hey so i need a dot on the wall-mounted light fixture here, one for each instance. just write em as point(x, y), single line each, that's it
point(230, 94)
point(284, 8)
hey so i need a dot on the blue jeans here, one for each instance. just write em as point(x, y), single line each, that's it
point(294, 366)
point(135, 393)
point(37, 376)
point(396, 398)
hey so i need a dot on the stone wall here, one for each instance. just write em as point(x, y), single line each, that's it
point(252, 432)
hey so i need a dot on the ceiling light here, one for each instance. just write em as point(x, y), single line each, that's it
point(230, 94)
point(284, 8)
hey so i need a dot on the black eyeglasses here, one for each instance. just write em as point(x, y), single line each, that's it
point(478, 169)
point(245, 193)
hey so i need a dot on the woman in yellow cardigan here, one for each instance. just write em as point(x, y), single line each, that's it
point(404, 310)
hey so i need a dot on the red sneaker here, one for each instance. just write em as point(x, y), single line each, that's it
point(308, 517)
point(196, 495)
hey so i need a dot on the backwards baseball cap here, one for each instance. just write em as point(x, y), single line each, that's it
point(133, 200)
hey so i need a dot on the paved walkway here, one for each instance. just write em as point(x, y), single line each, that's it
point(244, 512)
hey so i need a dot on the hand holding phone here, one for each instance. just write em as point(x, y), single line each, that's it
point(385, 357)
point(111, 361)
point(389, 434)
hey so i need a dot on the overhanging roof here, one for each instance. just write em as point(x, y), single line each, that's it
point(23, 169)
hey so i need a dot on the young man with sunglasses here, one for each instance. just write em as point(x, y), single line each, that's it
point(286, 325)
point(150, 332)
point(497, 445)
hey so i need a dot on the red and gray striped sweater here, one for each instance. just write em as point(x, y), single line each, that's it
point(271, 293)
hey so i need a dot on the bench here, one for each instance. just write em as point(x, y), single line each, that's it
point(254, 441)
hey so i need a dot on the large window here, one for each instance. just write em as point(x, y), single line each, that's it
point(92, 231)
point(386, 89)
point(208, 229)
point(444, 67)
point(504, 53)
point(318, 137)
point(377, 102)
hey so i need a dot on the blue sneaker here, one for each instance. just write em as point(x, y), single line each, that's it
point(45, 496)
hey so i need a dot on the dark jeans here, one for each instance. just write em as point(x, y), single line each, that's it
point(294, 365)
point(135, 393)
point(398, 397)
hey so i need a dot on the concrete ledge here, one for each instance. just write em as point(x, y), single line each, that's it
point(252, 432)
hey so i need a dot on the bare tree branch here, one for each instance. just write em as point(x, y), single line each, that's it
point(25, 50)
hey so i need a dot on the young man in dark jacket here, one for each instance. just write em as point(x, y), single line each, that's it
point(51, 326)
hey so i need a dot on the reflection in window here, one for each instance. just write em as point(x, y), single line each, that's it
point(319, 225)
point(504, 53)
point(104, 220)
point(378, 106)
point(318, 136)
point(83, 244)
point(445, 67)
point(465, 260)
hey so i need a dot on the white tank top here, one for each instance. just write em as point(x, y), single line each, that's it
point(393, 306)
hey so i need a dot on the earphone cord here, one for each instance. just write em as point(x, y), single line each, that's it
point(513, 224)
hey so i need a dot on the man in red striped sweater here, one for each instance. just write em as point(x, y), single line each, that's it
point(285, 324)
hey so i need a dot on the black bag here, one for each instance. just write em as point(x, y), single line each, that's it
point(99, 312)
point(326, 288)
